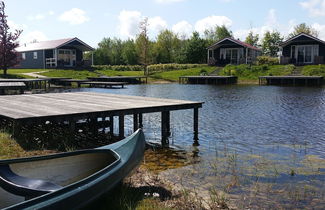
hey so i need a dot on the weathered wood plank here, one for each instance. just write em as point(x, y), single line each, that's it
point(64, 104)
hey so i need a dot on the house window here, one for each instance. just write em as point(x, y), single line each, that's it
point(23, 56)
point(35, 55)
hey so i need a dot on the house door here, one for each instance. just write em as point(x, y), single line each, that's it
point(300, 56)
point(305, 54)
point(232, 56)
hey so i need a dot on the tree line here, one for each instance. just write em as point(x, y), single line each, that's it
point(169, 47)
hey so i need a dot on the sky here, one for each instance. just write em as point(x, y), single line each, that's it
point(93, 20)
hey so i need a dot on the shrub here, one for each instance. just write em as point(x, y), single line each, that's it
point(119, 67)
point(262, 60)
point(172, 66)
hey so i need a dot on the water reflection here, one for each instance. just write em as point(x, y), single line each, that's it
point(257, 143)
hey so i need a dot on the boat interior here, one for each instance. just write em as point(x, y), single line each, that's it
point(25, 178)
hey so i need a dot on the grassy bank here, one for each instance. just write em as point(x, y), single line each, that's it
point(175, 74)
point(245, 73)
point(252, 72)
point(314, 70)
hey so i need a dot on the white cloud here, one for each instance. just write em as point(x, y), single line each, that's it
point(51, 12)
point(129, 23)
point(315, 7)
point(168, 1)
point(321, 29)
point(271, 24)
point(36, 17)
point(156, 24)
point(211, 22)
point(183, 29)
point(14, 26)
point(74, 16)
point(31, 36)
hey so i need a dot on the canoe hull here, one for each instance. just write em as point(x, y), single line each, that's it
point(76, 195)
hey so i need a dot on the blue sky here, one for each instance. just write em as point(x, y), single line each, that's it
point(93, 20)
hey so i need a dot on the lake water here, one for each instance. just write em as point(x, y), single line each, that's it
point(262, 145)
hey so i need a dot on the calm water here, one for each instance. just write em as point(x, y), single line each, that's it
point(264, 143)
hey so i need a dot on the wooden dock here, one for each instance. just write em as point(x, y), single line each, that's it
point(12, 86)
point(31, 83)
point(90, 106)
point(127, 79)
point(213, 80)
point(291, 80)
point(103, 84)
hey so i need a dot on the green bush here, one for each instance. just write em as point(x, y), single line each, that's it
point(262, 60)
point(119, 67)
point(172, 66)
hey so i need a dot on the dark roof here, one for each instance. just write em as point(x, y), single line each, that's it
point(244, 44)
point(298, 35)
point(52, 44)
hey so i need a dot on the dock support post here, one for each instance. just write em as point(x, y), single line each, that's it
point(196, 127)
point(121, 126)
point(16, 129)
point(140, 120)
point(111, 125)
point(164, 127)
point(135, 122)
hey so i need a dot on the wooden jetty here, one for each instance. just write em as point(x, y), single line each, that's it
point(69, 81)
point(215, 80)
point(73, 107)
point(291, 80)
point(102, 84)
point(12, 86)
point(31, 83)
point(128, 79)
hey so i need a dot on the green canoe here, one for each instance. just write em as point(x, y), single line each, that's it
point(68, 180)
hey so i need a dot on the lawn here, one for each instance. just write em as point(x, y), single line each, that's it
point(74, 74)
point(174, 75)
point(252, 72)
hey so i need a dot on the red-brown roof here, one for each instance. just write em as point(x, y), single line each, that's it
point(45, 45)
point(244, 44)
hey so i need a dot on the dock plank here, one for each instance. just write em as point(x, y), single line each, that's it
point(62, 104)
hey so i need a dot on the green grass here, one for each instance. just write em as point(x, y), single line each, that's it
point(120, 73)
point(252, 72)
point(314, 70)
point(74, 74)
point(174, 75)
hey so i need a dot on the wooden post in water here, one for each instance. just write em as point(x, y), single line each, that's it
point(196, 127)
point(111, 125)
point(164, 128)
point(135, 122)
point(121, 126)
point(140, 120)
point(16, 129)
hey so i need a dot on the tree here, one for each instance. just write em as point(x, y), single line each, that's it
point(143, 44)
point(304, 28)
point(129, 53)
point(166, 47)
point(196, 49)
point(252, 39)
point(8, 42)
point(217, 34)
point(102, 55)
point(271, 42)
